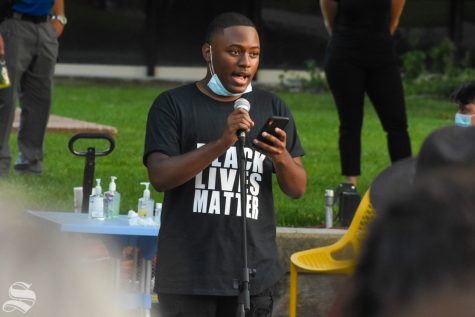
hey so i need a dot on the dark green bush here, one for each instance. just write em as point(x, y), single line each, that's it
point(437, 72)
point(442, 57)
point(414, 64)
point(438, 84)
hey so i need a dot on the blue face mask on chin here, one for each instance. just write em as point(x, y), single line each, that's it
point(463, 120)
point(217, 86)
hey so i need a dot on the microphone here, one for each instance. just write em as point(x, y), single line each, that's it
point(242, 103)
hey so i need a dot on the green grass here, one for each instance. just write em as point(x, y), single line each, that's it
point(125, 106)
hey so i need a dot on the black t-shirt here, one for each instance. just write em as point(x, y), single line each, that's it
point(362, 27)
point(200, 241)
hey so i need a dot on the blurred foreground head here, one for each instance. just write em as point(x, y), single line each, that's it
point(444, 148)
point(46, 273)
point(419, 257)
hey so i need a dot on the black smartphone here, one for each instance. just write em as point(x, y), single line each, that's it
point(269, 127)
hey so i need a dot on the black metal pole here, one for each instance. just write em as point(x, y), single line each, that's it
point(456, 21)
point(151, 35)
point(244, 299)
point(88, 178)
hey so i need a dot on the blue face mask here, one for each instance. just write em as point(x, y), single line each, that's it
point(217, 86)
point(463, 120)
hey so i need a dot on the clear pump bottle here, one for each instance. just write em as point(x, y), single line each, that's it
point(96, 202)
point(158, 213)
point(112, 200)
point(145, 204)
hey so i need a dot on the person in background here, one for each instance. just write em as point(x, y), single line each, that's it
point(190, 155)
point(29, 45)
point(360, 59)
point(464, 98)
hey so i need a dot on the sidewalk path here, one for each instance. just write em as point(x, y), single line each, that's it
point(63, 124)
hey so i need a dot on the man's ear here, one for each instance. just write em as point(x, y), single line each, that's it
point(206, 52)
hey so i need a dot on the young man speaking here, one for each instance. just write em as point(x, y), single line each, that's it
point(191, 155)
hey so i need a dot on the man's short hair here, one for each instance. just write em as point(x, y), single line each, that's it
point(464, 95)
point(225, 20)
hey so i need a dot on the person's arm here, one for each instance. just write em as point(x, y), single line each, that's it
point(58, 9)
point(167, 172)
point(396, 10)
point(291, 175)
point(2, 46)
point(329, 9)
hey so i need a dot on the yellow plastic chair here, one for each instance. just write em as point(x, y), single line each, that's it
point(338, 258)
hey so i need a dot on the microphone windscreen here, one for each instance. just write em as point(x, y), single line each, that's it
point(242, 103)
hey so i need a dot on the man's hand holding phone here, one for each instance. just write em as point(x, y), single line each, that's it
point(271, 140)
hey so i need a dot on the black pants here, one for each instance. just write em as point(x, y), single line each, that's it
point(172, 305)
point(349, 81)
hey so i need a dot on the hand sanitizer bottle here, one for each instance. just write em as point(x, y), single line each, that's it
point(145, 205)
point(112, 200)
point(91, 202)
point(96, 202)
point(158, 213)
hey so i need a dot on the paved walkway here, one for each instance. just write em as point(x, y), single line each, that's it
point(63, 124)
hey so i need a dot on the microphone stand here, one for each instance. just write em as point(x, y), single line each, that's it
point(244, 299)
